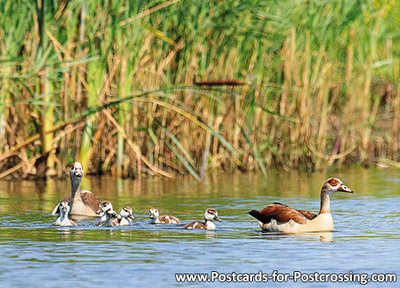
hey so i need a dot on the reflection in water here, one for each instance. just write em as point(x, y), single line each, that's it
point(125, 232)
point(70, 234)
point(322, 236)
point(155, 234)
point(148, 254)
point(210, 234)
point(65, 233)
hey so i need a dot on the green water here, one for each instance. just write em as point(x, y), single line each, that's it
point(34, 253)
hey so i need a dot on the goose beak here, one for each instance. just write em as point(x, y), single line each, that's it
point(344, 188)
point(78, 174)
point(217, 218)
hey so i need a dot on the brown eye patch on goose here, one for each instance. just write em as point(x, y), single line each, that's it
point(333, 182)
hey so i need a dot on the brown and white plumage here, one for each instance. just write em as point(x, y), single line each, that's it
point(109, 217)
point(210, 215)
point(63, 220)
point(112, 219)
point(103, 207)
point(155, 218)
point(281, 218)
point(126, 216)
point(82, 202)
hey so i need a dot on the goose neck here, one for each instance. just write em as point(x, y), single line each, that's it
point(325, 202)
point(75, 187)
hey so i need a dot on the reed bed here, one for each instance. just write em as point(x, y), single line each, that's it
point(126, 87)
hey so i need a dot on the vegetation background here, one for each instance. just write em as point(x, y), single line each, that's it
point(125, 86)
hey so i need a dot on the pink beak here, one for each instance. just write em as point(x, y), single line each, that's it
point(344, 188)
point(78, 173)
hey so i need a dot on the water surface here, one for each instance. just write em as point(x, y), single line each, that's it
point(32, 252)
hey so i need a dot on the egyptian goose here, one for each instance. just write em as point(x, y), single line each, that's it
point(155, 218)
point(281, 218)
point(103, 208)
point(108, 217)
point(63, 210)
point(112, 219)
point(126, 216)
point(82, 202)
point(210, 215)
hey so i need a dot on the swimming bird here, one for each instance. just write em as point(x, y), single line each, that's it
point(210, 215)
point(165, 219)
point(104, 206)
point(112, 219)
point(108, 217)
point(82, 202)
point(63, 220)
point(126, 216)
point(281, 218)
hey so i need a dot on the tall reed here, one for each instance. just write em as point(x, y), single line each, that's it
point(117, 85)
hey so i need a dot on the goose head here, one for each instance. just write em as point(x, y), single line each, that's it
point(104, 207)
point(111, 218)
point(153, 213)
point(211, 215)
point(331, 186)
point(64, 207)
point(111, 214)
point(76, 170)
point(126, 212)
point(335, 185)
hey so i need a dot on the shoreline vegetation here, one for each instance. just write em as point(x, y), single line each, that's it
point(134, 88)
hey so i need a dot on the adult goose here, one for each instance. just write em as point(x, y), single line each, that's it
point(82, 202)
point(281, 218)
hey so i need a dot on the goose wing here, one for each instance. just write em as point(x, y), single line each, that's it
point(309, 215)
point(168, 219)
point(281, 213)
point(195, 225)
point(90, 200)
